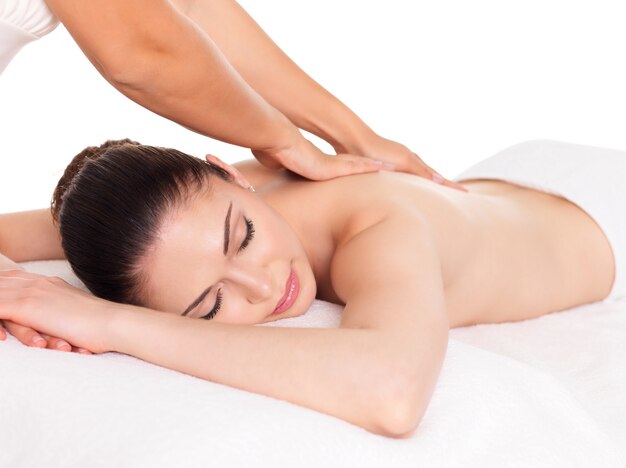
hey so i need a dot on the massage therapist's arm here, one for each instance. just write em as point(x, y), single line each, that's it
point(294, 93)
point(274, 75)
point(159, 58)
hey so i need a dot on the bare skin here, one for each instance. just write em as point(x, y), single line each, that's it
point(507, 252)
point(191, 62)
point(522, 253)
point(409, 258)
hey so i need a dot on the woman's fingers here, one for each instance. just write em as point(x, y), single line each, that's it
point(62, 345)
point(57, 343)
point(30, 337)
point(81, 350)
point(26, 335)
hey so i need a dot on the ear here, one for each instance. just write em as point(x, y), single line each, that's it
point(237, 176)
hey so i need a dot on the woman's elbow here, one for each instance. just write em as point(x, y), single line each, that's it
point(402, 408)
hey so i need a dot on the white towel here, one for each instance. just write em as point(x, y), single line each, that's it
point(547, 392)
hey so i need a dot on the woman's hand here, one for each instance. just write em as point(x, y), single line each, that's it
point(30, 302)
point(30, 337)
point(401, 157)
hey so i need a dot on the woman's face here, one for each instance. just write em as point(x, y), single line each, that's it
point(229, 257)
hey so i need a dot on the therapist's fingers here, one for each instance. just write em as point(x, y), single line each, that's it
point(305, 159)
point(329, 167)
point(441, 180)
point(3, 333)
point(424, 170)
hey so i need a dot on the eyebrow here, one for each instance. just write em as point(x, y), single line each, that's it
point(227, 228)
point(203, 294)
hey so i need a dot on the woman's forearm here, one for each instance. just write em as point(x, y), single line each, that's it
point(273, 74)
point(30, 235)
point(340, 372)
point(159, 58)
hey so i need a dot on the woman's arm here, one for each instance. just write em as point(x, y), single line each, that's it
point(378, 370)
point(389, 275)
point(339, 371)
point(30, 235)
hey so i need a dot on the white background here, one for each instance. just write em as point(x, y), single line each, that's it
point(454, 80)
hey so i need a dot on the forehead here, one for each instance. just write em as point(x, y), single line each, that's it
point(191, 236)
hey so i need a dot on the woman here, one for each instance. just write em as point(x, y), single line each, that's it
point(162, 231)
point(190, 62)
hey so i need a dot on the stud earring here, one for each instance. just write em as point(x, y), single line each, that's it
point(251, 188)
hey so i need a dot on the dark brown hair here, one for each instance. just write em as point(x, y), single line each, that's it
point(110, 204)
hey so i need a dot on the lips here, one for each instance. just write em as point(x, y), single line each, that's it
point(292, 288)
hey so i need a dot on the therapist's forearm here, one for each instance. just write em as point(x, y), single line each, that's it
point(274, 75)
point(195, 86)
point(159, 58)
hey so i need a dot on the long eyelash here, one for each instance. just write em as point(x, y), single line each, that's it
point(249, 234)
point(244, 244)
point(216, 308)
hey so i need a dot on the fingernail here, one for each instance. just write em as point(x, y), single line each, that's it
point(37, 340)
point(63, 345)
point(385, 164)
point(437, 178)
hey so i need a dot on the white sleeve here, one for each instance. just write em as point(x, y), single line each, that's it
point(22, 21)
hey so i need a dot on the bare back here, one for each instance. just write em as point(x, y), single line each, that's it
point(507, 253)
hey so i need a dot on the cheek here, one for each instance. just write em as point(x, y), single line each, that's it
point(281, 239)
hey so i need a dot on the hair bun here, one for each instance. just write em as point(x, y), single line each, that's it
point(91, 153)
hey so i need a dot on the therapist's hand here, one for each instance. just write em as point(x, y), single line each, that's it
point(404, 160)
point(304, 158)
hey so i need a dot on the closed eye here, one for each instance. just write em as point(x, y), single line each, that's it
point(249, 234)
point(244, 244)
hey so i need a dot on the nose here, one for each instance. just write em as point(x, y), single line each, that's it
point(256, 282)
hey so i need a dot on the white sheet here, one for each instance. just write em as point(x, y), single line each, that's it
point(547, 392)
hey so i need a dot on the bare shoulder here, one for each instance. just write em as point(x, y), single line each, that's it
point(262, 177)
point(391, 269)
point(390, 278)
